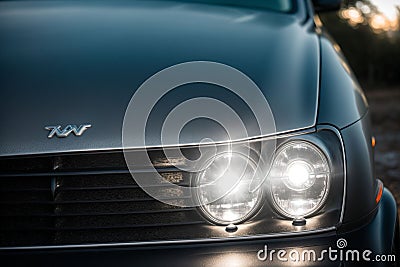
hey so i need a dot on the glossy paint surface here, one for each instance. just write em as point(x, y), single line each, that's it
point(342, 100)
point(80, 63)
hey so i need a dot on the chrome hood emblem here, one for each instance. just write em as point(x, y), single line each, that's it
point(71, 128)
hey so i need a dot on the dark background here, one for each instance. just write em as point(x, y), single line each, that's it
point(369, 37)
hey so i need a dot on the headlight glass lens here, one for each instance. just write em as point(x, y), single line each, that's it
point(225, 193)
point(299, 179)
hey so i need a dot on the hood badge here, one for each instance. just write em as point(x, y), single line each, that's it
point(71, 128)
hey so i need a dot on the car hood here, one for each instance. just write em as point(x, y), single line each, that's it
point(81, 62)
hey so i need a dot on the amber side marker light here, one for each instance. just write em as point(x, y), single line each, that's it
point(373, 141)
point(379, 195)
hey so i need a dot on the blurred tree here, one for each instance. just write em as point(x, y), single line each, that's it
point(370, 40)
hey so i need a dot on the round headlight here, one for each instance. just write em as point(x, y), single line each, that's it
point(299, 179)
point(224, 189)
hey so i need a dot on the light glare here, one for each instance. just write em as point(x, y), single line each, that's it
point(298, 173)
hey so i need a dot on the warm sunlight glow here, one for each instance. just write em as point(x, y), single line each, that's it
point(380, 15)
point(388, 8)
point(353, 15)
point(379, 22)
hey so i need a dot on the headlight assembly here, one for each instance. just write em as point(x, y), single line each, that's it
point(302, 178)
point(224, 189)
point(299, 179)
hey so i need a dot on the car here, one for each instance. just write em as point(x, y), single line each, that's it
point(185, 133)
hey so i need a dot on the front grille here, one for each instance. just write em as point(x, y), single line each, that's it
point(88, 198)
point(91, 198)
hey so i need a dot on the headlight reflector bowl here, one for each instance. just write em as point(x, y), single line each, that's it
point(299, 179)
point(224, 189)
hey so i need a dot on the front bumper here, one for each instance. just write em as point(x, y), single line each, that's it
point(376, 235)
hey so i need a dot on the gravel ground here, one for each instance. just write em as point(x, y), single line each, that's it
point(385, 114)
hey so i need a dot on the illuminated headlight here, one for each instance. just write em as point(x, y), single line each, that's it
point(299, 179)
point(224, 189)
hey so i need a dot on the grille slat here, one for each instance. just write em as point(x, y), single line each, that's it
point(64, 214)
point(25, 196)
point(87, 172)
point(121, 226)
point(148, 199)
point(79, 198)
point(24, 190)
point(64, 188)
